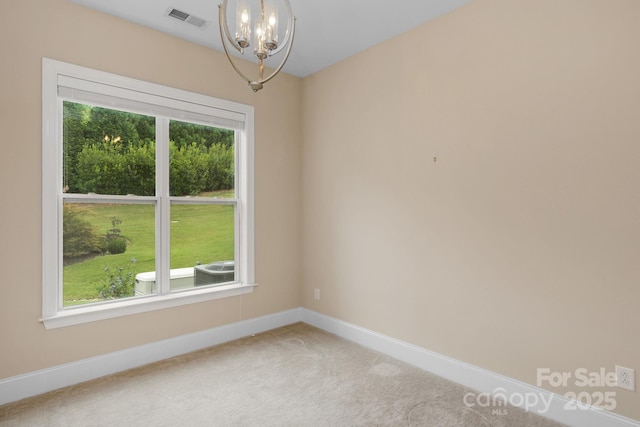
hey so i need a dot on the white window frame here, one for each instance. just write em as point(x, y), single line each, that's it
point(63, 81)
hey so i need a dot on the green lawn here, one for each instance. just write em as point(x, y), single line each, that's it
point(199, 233)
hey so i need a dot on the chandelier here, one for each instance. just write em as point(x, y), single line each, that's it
point(266, 35)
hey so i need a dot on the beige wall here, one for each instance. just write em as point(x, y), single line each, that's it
point(518, 247)
point(58, 29)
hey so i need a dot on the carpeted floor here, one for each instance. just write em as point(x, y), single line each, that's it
point(292, 376)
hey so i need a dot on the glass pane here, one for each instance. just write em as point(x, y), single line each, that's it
point(108, 151)
point(201, 161)
point(108, 251)
point(202, 245)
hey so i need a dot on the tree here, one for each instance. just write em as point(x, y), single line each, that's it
point(118, 127)
point(74, 123)
point(184, 134)
point(113, 152)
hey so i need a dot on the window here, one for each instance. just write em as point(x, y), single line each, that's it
point(147, 196)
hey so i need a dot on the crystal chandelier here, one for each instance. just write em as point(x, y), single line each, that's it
point(265, 32)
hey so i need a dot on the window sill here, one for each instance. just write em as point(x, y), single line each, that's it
point(85, 314)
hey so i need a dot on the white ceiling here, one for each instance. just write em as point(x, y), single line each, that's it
point(327, 31)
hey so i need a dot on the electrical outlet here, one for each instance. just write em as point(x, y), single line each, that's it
point(316, 294)
point(626, 378)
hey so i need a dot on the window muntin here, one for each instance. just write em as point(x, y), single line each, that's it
point(220, 129)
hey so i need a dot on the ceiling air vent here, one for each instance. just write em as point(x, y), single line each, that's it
point(187, 17)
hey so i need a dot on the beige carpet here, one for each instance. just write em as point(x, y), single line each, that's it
point(292, 376)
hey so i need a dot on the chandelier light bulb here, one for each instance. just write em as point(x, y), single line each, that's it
point(271, 41)
point(260, 48)
point(243, 25)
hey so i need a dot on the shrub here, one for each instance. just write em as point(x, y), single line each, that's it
point(100, 169)
point(221, 168)
point(188, 169)
point(80, 237)
point(119, 283)
point(117, 246)
point(105, 168)
point(140, 167)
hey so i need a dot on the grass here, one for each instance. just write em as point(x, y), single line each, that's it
point(199, 233)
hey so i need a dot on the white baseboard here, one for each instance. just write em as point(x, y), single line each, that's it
point(481, 380)
point(478, 379)
point(42, 381)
